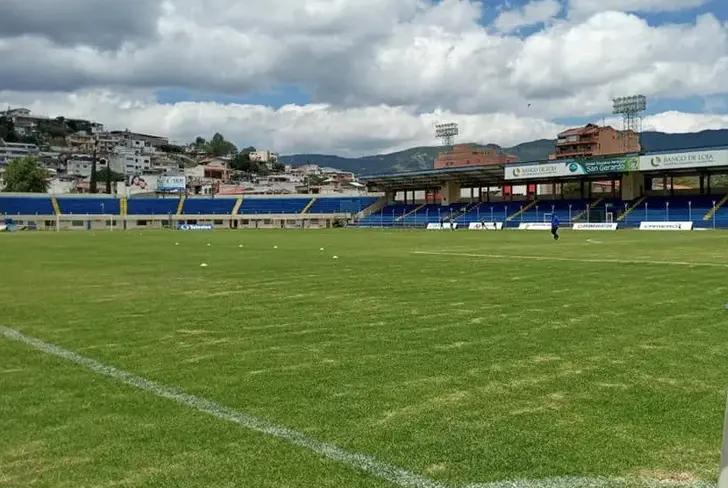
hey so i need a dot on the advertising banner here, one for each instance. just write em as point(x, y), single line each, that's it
point(595, 226)
point(444, 226)
point(535, 226)
point(485, 226)
point(172, 184)
point(136, 184)
point(572, 167)
point(666, 226)
point(195, 227)
point(677, 160)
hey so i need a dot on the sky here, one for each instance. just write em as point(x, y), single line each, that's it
point(359, 77)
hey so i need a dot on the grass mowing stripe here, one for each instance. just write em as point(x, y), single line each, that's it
point(576, 260)
point(393, 474)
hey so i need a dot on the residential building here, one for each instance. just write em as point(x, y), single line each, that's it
point(264, 157)
point(10, 151)
point(136, 140)
point(594, 141)
point(129, 162)
point(472, 155)
point(81, 165)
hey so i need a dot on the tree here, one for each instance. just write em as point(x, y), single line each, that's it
point(242, 162)
point(26, 175)
point(218, 146)
point(200, 142)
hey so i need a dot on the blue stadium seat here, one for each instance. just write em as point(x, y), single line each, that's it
point(86, 206)
point(273, 205)
point(327, 205)
point(152, 206)
point(12, 205)
point(209, 206)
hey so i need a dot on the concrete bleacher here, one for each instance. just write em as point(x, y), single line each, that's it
point(88, 206)
point(678, 208)
point(26, 205)
point(326, 205)
point(152, 206)
point(256, 206)
point(208, 206)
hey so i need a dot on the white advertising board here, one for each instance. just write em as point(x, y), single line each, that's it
point(443, 226)
point(666, 226)
point(535, 226)
point(595, 226)
point(485, 226)
point(691, 159)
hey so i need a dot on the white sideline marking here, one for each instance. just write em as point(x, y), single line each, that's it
point(393, 474)
point(577, 260)
point(362, 462)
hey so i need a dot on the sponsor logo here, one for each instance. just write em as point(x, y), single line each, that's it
point(666, 226)
point(573, 167)
point(195, 227)
point(656, 162)
point(517, 171)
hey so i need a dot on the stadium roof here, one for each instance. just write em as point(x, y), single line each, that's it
point(474, 176)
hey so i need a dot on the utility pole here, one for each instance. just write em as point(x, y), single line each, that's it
point(92, 185)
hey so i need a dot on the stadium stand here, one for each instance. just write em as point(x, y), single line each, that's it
point(152, 206)
point(253, 206)
point(88, 206)
point(685, 208)
point(26, 205)
point(209, 206)
point(324, 205)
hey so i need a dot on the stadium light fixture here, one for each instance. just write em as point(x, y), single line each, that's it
point(631, 110)
point(446, 132)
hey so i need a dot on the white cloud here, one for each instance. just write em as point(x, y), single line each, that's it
point(291, 128)
point(535, 12)
point(583, 8)
point(680, 122)
point(364, 62)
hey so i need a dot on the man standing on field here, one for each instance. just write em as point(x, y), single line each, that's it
point(555, 227)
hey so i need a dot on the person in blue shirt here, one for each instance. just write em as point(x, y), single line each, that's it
point(555, 227)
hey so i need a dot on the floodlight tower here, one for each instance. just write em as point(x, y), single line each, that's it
point(631, 109)
point(446, 132)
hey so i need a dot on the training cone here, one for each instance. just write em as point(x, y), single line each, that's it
point(240, 245)
point(321, 249)
point(336, 257)
point(275, 247)
point(203, 265)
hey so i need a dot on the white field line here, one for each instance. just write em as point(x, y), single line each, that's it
point(362, 462)
point(576, 260)
point(393, 474)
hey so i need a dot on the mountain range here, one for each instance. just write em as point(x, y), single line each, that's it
point(419, 158)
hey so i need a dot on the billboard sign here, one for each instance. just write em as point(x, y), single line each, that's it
point(485, 226)
point(595, 226)
point(666, 226)
point(572, 167)
point(195, 227)
point(677, 160)
point(172, 184)
point(141, 184)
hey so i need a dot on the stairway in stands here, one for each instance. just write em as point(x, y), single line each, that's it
point(713, 210)
point(308, 206)
point(521, 210)
point(56, 207)
point(236, 207)
point(636, 204)
point(402, 217)
point(591, 207)
point(181, 205)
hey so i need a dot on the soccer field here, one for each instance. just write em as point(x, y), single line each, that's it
point(415, 359)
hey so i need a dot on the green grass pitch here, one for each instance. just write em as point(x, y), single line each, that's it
point(462, 357)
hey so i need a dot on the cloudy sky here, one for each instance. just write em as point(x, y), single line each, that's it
point(355, 77)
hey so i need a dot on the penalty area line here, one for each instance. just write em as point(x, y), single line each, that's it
point(362, 462)
point(575, 260)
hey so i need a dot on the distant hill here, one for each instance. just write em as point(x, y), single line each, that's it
point(419, 158)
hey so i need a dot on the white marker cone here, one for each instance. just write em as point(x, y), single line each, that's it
point(203, 265)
